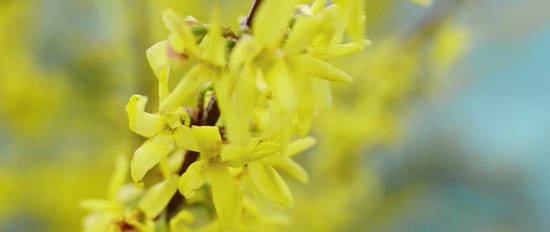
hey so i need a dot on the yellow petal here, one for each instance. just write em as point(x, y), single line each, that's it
point(299, 145)
point(158, 196)
point(356, 20)
point(100, 205)
point(226, 197)
point(270, 183)
point(208, 140)
point(187, 87)
point(422, 2)
point(338, 50)
point(303, 32)
point(286, 164)
point(119, 176)
point(185, 139)
point(242, 101)
point(282, 86)
point(244, 52)
point(213, 44)
point(322, 95)
point(176, 118)
point(156, 55)
point(180, 221)
point(318, 5)
point(305, 119)
point(150, 153)
point(177, 25)
point(321, 69)
point(98, 222)
point(234, 156)
point(231, 152)
point(271, 19)
point(139, 121)
point(191, 180)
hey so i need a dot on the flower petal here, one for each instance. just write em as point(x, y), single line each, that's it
point(212, 46)
point(282, 86)
point(321, 69)
point(150, 153)
point(235, 156)
point(322, 95)
point(286, 164)
point(270, 183)
point(158, 196)
point(422, 2)
point(271, 19)
point(179, 222)
point(208, 140)
point(185, 139)
point(139, 121)
point(191, 180)
point(156, 55)
point(187, 86)
point(338, 50)
point(303, 32)
point(177, 25)
point(299, 145)
point(243, 100)
point(119, 176)
point(226, 197)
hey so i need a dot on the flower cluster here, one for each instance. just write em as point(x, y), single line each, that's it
point(258, 90)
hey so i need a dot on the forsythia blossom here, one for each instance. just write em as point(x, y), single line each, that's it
point(258, 89)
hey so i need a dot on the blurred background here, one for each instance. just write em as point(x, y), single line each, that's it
point(447, 127)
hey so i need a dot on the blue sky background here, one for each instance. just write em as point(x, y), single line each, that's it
point(483, 143)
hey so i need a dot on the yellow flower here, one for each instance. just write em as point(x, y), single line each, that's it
point(267, 82)
point(119, 210)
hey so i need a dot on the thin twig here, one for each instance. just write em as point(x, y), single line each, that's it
point(247, 23)
point(203, 117)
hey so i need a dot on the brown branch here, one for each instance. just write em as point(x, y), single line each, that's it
point(204, 117)
point(247, 22)
point(212, 113)
point(207, 117)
